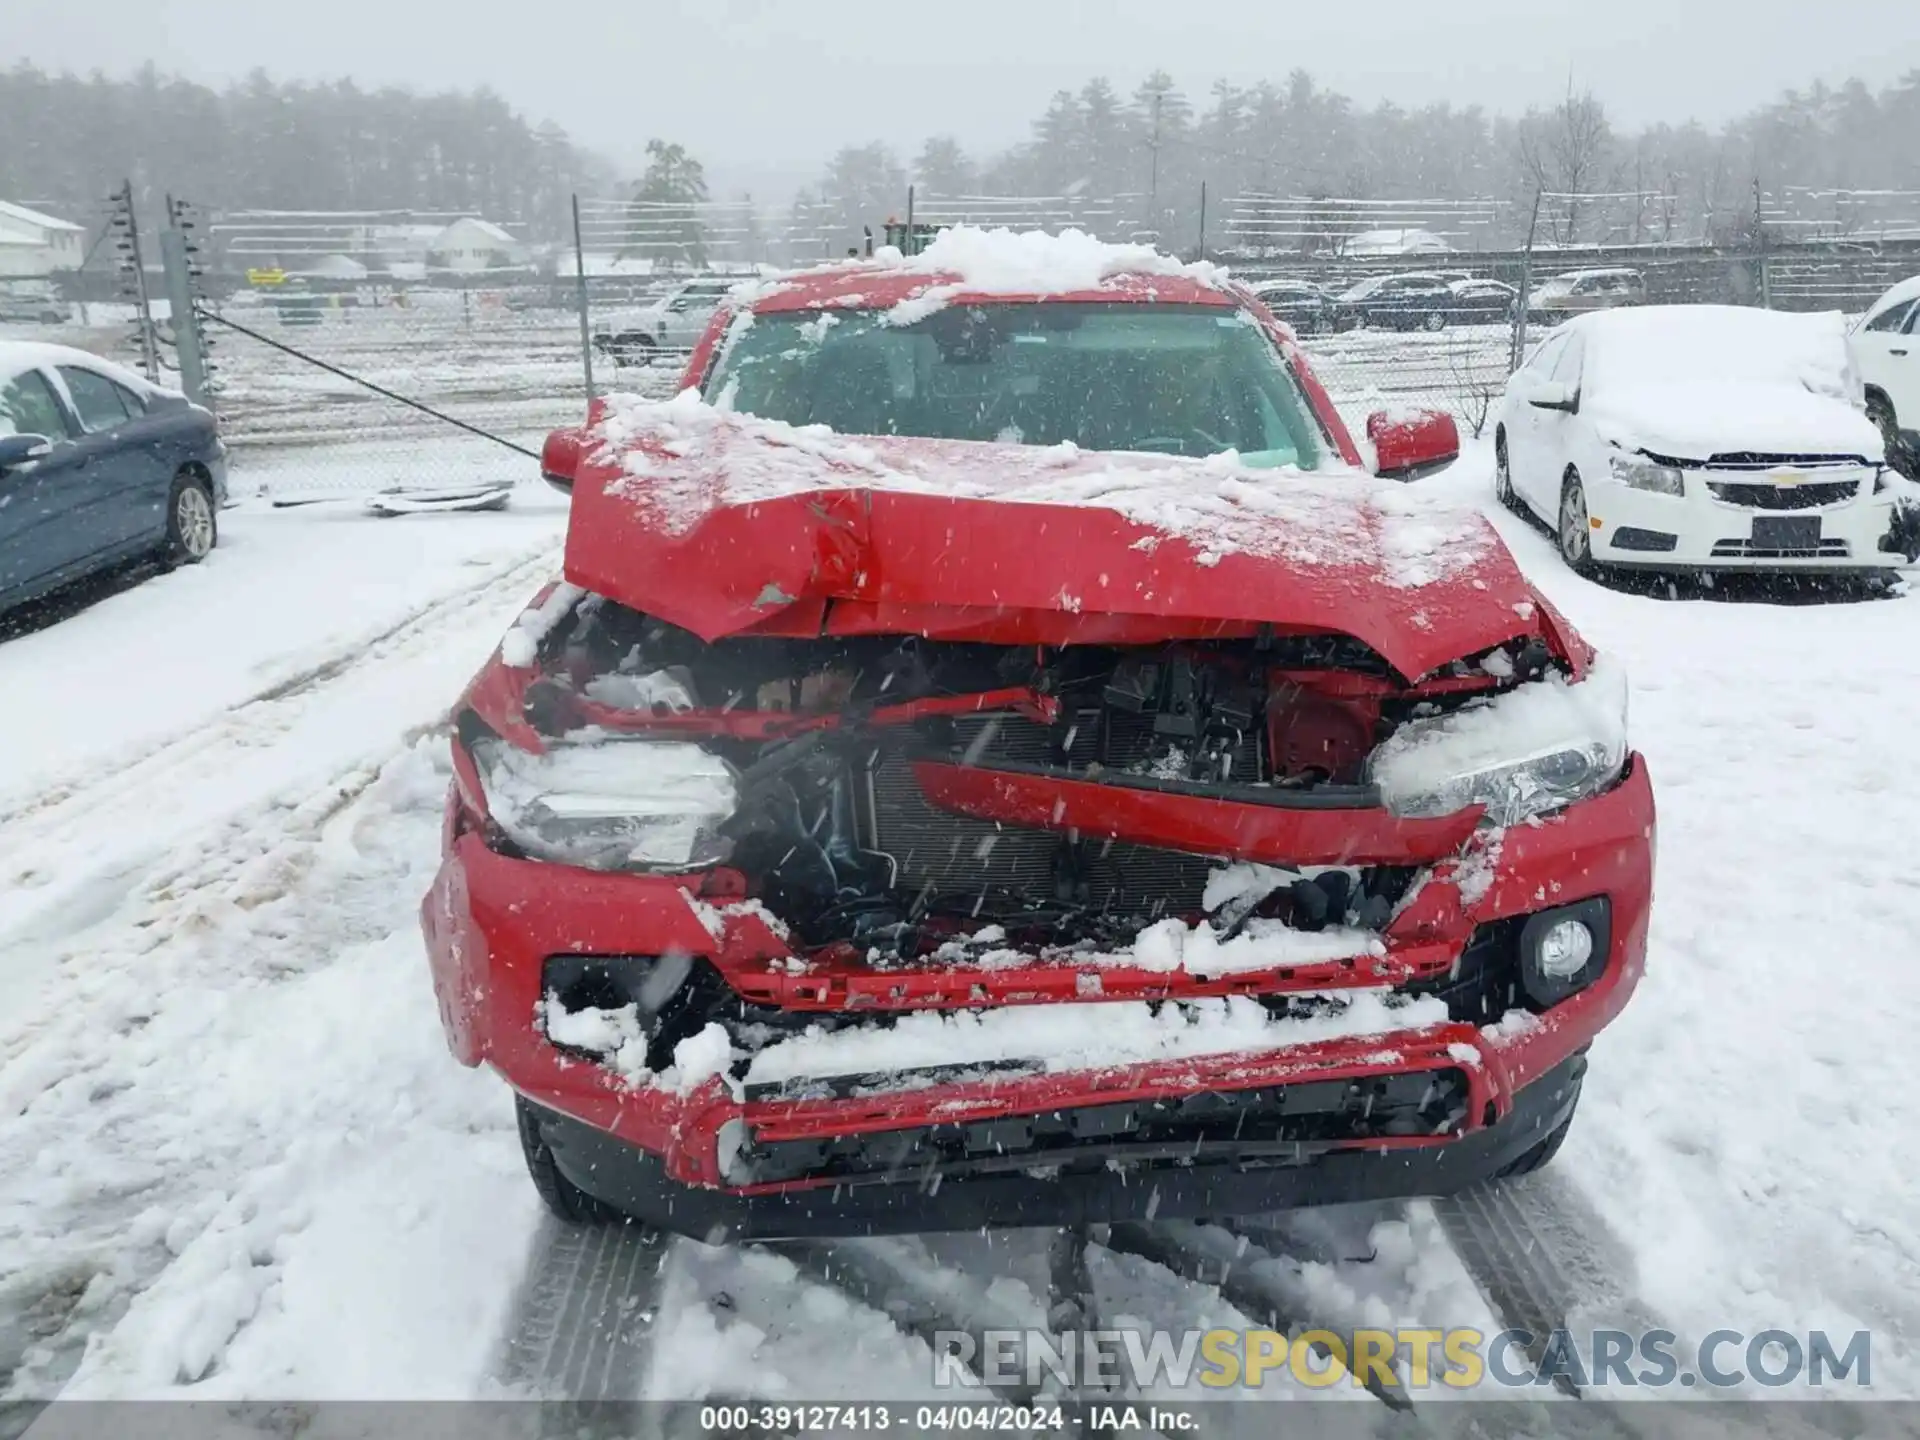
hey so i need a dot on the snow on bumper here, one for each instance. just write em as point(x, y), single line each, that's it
point(1635, 527)
point(787, 1122)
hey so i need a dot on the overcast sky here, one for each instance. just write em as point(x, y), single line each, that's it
point(763, 90)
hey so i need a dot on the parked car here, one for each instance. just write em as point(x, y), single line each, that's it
point(32, 303)
point(1886, 350)
point(1481, 302)
point(1306, 307)
point(924, 830)
point(98, 467)
point(1698, 437)
point(1421, 300)
point(671, 323)
point(1579, 291)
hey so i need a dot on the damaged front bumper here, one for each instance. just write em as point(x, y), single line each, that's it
point(1476, 1078)
point(641, 1183)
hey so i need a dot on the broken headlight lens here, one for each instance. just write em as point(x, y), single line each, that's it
point(611, 804)
point(1534, 749)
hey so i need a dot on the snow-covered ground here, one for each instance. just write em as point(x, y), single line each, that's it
point(235, 1159)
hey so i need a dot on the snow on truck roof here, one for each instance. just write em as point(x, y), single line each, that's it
point(967, 263)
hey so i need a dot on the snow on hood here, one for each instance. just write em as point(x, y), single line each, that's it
point(1690, 381)
point(715, 521)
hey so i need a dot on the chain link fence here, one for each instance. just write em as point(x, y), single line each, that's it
point(341, 370)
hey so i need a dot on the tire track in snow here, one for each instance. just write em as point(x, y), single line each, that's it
point(106, 782)
point(585, 1312)
point(69, 856)
point(133, 1127)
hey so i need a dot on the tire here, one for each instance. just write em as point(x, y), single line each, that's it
point(1899, 456)
point(193, 525)
point(635, 347)
point(567, 1201)
point(1435, 321)
point(1503, 490)
point(1572, 532)
point(1540, 1155)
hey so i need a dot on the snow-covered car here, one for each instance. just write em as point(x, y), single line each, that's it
point(1698, 437)
point(1009, 807)
point(1481, 302)
point(1886, 351)
point(98, 467)
point(672, 323)
point(1580, 291)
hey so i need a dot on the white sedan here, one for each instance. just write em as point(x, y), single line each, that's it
point(1886, 348)
point(1698, 437)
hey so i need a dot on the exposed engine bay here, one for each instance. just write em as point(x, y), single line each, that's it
point(854, 768)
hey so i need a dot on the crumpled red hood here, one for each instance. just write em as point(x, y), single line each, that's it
point(722, 524)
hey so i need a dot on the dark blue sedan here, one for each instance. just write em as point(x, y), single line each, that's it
point(98, 467)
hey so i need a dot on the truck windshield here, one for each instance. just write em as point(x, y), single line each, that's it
point(1188, 380)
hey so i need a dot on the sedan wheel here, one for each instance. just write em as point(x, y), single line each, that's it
point(192, 530)
point(1503, 490)
point(1435, 320)
point(1576, 534)
point(1880, 412)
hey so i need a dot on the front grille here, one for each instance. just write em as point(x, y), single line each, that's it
point(956, 855)
point(1784, 497)
point(1276, 1125)
point(1747, 550)
point(1770, 460)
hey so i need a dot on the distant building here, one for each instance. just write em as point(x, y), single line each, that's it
point(469, 245)
point(1395, 242)
point(36, 244)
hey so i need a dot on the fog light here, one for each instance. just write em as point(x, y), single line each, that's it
point(1565, 949)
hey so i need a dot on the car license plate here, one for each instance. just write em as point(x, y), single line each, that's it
point(1786, 532)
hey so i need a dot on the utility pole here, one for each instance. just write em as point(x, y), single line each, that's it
point(189, 340)
point(580, 296)
point(1519, 350)
point(133, 265)
point(1153, 171)
point(1760, 240)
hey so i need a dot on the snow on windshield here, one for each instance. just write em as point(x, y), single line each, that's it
point(683, 458)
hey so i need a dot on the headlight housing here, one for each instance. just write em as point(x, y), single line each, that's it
point(1644, 474)
point(1533, 750)
point(628, 804)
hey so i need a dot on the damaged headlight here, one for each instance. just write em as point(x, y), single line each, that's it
point(612, 804)
point(1535, 749)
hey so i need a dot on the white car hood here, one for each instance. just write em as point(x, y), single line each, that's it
point(1707, 419)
